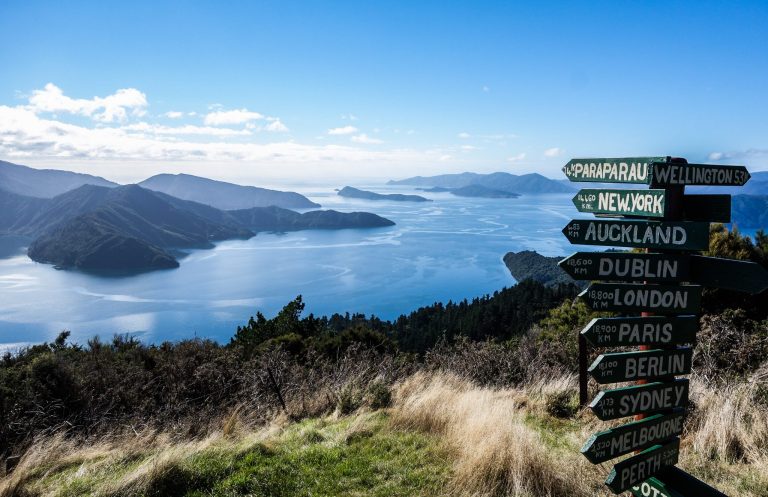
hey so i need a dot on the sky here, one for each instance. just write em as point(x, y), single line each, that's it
point(288, 92)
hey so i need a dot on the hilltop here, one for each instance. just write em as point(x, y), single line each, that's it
point(524, 184)
point(351, 192)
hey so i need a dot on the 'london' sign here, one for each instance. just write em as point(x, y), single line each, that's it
point(632, 297)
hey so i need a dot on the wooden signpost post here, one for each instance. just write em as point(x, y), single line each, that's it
point(664, 286)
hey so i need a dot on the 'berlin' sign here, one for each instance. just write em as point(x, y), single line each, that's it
point(641, 365)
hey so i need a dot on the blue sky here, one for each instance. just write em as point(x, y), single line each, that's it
point(283, 91)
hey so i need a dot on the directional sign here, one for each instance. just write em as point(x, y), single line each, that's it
point(612, 170)
point(652, 487)
point(641, 365)
point(672, 174)
point(710, 208)
point(677, 480)
point(742, 276)
point(621, 202)
point(638, 435)
point(640, 399)
point(626, 266)
point(649, 330)
point(644, 465)
point(645, 234)
point(631, 297)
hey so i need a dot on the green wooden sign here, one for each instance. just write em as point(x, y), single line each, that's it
point(612, 170)
point(633, 297)
point(742, 276)
point(652, 487)
point(638, 435)
point(641, 365)
point(674, 174)
point(648, 330)
point(638, 468)
point(640, 399)
point(626, 266)
point(649, 203)
point(643, 234)
point(710, 208)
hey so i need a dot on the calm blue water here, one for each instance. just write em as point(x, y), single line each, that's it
point(451, 248)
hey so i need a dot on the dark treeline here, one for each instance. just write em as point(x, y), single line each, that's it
point(319, 363)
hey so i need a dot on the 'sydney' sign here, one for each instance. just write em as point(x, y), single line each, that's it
point(640, 399)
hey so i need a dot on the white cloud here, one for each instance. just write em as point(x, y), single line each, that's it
point(445, 157)
point(351, 117)
point(468, 148)
point(410, 132)
point(464, 135)
point(486, 89)
point(174, 114)
point(553, 152)
point(715, 156)
point(276, 126)
point(517, 158)
point(157, 129)
point(344, 130)
point(224, 117)
point(365, 139)
point(111, 108)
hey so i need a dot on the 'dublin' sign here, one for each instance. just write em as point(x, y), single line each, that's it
point(635, 469)
point(642, 365)
point(640, 399)
point(633, 297)
point(644, 234)
point(646, 330)
point(638, 435)
point(626, 266)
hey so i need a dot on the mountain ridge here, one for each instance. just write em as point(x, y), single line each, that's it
point(531, 183)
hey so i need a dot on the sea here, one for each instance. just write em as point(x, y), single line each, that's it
point(449, 249)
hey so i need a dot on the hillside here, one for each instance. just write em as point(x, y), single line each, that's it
point(525, 183)
point(529, 264)
point(750, 211)
point(351, 192)
point(132, 228)
point(222, 195)
point(480, 191)
point(43, 183)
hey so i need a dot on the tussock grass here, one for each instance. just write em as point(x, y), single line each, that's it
point(496, 451)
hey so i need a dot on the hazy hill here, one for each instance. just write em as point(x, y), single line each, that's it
point(222, 195)
point(351, 192)
point(130, 227)
point(750, 211)
point(482, 191)
point(525, 183)
point(43, 183)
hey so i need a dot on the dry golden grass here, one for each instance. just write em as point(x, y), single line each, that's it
point(497, 451)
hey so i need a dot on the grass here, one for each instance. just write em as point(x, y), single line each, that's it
point(320, 457)
point(443, 435)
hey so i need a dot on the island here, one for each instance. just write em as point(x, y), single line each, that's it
point(351, 192)
point(533, 183)
point(529, 264)
point(477, 191)
point(132, 229)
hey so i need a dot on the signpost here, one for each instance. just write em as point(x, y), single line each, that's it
point(636, 469)
point(630, 437)
point(729, 274)
point(647, 398)
point(667, 283)
point(642, 365)
point(652, 203)
point(651, 330)
point(644, 234)
point(632, 297)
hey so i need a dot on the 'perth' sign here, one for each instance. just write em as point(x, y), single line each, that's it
point(654, 171)
point(636, 469)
